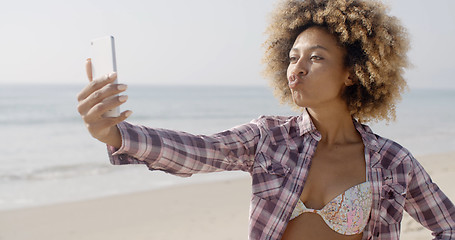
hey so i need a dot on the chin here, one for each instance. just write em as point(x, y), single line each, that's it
point(299, 101)
point(301, 104)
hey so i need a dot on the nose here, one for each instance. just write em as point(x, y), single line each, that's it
point(300, 68)
point(296, 72)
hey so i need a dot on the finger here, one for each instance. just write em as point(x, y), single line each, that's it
point(96, 112)
point(112, 121)
point(95, 85)
point(88, 69)
point(109, 122)
point(100, 95)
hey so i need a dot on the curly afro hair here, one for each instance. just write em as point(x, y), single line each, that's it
point(376, 45)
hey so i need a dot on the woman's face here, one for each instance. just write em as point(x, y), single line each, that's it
point(316, 73)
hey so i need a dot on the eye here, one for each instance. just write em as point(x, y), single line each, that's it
point(293, 59)
point(316, 58)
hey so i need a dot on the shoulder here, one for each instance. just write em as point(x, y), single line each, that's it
point(389, 153)
point(277, 129)
point(274, 124)
point(393, 155)
point(273, 121)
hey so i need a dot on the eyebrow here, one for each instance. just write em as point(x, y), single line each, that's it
point(311, 48)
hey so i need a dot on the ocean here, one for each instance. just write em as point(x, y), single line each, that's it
point(47, 155)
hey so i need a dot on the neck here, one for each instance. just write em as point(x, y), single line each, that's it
point(335, 125)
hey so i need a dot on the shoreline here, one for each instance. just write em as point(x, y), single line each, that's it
point(185, 211)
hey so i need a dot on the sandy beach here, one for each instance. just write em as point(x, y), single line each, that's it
point(217, 210)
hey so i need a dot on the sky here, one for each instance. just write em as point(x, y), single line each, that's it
point(183, 42)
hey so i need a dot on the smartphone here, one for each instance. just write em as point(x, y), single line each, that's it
point(102, 51)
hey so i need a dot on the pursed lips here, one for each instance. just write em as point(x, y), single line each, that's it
point(293, 80)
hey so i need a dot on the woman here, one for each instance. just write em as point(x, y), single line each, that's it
point(320, 175)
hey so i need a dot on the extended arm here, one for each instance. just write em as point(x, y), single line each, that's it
point(184, 154)
point(175, 152)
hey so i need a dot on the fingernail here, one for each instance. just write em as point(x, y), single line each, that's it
point(113, 75)
point(122, 87)
point(128, 113)
point(123, 98)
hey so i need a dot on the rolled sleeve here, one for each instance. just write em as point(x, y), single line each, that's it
point(427, 204)
point(138, 144)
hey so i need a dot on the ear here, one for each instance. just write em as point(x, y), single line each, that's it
point(349, 82)
point(350, 79)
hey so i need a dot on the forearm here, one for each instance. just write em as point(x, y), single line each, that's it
point(182, 153)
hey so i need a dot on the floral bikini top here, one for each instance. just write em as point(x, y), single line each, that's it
point(348, 213)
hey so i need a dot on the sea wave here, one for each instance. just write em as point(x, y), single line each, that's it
point(58, 172)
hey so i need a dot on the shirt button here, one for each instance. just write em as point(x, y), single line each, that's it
point(390, 193)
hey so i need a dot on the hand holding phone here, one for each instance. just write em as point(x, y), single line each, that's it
point(102, 94)
point(104, 62)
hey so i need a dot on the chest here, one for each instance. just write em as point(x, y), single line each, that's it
point(331, 172)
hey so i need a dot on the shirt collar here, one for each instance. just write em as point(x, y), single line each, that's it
point(369, 138)
point(306, 126)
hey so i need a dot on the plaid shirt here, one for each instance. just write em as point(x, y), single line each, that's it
point(277, 152)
